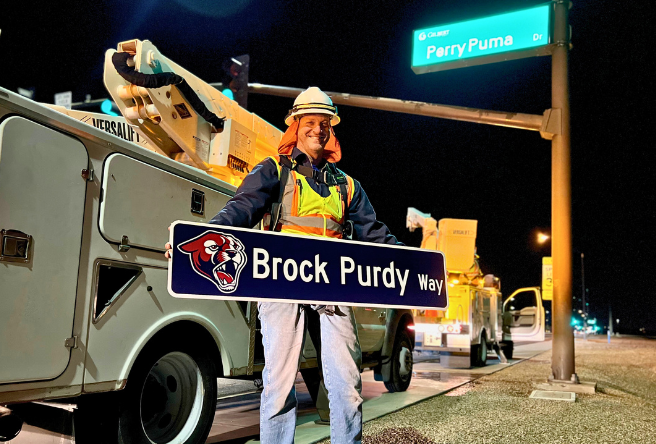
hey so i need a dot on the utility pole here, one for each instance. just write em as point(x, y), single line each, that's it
point(562, 361)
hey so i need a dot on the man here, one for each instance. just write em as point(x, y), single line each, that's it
point(303, 193)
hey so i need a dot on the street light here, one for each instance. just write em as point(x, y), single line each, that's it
point(542, 238)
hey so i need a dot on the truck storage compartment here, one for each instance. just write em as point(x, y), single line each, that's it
point(139, 202)
point(42, 194)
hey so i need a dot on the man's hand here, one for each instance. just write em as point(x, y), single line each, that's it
point(169, 248)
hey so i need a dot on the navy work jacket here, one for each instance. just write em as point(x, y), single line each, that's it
point(261, 187)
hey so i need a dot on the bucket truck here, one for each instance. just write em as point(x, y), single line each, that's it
point(85, 202)
point(473, 321)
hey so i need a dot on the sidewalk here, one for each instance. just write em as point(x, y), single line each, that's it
point(497, 408)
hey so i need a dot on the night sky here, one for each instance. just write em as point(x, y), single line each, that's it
point(499, 176)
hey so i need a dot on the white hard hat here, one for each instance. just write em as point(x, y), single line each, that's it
point(313, 101)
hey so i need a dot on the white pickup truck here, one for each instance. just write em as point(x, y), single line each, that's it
point(84, 307)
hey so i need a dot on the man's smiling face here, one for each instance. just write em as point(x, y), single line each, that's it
point(313, 134)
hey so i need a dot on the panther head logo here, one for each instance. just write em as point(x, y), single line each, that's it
point(218, 257)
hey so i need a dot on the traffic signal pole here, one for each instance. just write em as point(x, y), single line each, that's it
point(562, 358)
point(530, 122)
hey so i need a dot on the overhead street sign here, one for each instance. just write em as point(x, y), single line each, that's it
point(64, 99)
point(508, 36)
point(227, 263)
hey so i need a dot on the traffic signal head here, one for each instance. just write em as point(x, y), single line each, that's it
point(107, 107)
point(235, 81)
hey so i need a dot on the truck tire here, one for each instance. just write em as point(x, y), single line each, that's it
point(170, 396)
point(10, 424)
point(401, 370)
point(474, 351)
point(507, 347)
point(478, 354)
point(482, 354)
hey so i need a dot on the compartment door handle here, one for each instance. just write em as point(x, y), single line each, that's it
point(15, 246)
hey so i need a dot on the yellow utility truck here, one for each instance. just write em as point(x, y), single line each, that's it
point(472, 324)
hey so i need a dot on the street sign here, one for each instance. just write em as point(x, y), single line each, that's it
point(547, 278)
point(64, 99)
point(508, 36)
point(227, 263)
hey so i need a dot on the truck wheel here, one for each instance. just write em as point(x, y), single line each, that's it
point(10, 424)
point(478, 355)
point(482, 354)
point(474, 352)
point(401, 370)
point(170, 396)
point(507, 347)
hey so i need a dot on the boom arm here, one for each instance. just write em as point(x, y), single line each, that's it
point(416, 219)
point(172, 122)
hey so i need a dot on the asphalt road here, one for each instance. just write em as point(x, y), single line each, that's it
point(237, 415)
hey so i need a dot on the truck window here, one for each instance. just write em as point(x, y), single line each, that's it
point(486, 302)
point(521, 300)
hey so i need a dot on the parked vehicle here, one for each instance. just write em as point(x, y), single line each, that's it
point(473, 323)
point(85, 312)
point(524, 317)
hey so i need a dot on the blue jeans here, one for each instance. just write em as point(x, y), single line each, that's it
point(283, 331)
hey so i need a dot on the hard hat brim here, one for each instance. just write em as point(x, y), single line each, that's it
point(334, 120)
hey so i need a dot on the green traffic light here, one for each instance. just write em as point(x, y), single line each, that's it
point(228, 93)
point(106, 107)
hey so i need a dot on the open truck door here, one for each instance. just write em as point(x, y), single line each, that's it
point(523, 316)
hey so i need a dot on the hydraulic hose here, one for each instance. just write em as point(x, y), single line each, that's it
point(120, 61)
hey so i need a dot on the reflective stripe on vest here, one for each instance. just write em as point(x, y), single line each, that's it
point(305, 212)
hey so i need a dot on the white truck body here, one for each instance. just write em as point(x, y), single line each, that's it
point(91, 293)
point(85, 203)
point(53, 343)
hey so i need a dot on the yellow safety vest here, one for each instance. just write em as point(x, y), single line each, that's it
point(305, 212)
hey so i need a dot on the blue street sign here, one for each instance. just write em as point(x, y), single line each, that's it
point(227, 263)
point(508, 36)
